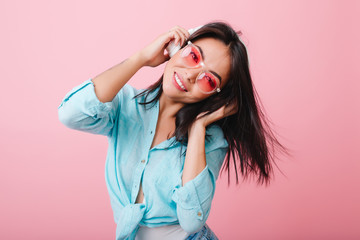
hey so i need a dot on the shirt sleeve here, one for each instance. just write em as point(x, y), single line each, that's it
point(193, 200)
point(82, 110)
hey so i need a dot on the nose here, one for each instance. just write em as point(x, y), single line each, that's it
point(191, 74)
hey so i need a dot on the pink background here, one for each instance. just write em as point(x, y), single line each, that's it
point(302, 59)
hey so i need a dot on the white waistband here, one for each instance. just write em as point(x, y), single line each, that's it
point(168, 232)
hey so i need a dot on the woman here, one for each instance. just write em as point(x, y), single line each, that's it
point(167, 143)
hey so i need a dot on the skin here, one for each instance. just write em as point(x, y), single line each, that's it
point(110, 82)
point(217, 61)
point(172, 99)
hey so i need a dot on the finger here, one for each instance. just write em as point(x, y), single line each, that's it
point(171, 35)
point(182, 35)
point(184, 32)
point(181, 31)
point(176, 36)
point(232, 109)
point(175, 27)
point(178, 28)
point(166, 56)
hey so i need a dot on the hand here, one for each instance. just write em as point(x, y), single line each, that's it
point(154, 55)
point(222, 112)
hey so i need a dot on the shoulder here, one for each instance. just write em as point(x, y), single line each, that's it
point(130, 100)
point(129, 92)
point(127, 96)
point(215, 138)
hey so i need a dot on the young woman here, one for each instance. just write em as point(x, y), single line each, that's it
point(168, 142)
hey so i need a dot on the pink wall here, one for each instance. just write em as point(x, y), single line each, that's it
point(302, 58)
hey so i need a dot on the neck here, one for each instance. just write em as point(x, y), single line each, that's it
point(168, 108)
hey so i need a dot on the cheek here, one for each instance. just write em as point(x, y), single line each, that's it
point(199, 96)
point(169, 68)
point(168, 74)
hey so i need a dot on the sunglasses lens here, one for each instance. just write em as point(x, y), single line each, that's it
point(191, 56)
point(207, 82)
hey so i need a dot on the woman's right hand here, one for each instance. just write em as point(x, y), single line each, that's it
point(153, 54)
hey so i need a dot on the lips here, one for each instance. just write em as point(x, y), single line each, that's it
point(179, 83)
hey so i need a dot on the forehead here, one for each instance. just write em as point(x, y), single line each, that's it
point(216, 56)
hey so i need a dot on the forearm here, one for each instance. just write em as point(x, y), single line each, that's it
point(194, 197)
point(193, 211)
point(109, 83)
point(195, 159)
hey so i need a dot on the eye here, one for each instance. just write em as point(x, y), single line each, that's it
point(207, 82)
point(191, 56)
point(210, 81)
point(195, 55)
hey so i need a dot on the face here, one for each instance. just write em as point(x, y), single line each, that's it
point(216, 58)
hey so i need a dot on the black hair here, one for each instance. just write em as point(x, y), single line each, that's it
point(247, 132)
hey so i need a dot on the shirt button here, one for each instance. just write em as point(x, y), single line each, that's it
point(150, 132)
point(199, 214)
point(142, 161)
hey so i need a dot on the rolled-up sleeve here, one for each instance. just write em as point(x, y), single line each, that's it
point(193, 200)
point(82, 110)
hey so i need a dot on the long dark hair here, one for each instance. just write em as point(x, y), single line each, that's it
point(247, 132)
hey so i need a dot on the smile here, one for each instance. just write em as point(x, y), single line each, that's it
point(178, 83)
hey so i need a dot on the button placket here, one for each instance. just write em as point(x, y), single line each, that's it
point(138, 170)
point(199, 215)
point(153, 124)
point(137, 186)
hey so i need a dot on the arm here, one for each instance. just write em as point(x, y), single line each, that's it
point(195, 150)
point(93, 106)
point(200, 172)
point(194, 197)
point(195, 160)
point(109, 83)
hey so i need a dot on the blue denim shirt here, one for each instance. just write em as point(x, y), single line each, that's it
point(130, 130)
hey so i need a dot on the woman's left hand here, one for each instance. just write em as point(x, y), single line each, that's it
point(222, 112)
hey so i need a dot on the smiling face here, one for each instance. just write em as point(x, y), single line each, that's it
point(216, 58)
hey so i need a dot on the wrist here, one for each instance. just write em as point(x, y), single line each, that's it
point(140, 59)
point(197, 127)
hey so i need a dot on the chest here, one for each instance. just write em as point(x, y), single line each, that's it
point(165, 128)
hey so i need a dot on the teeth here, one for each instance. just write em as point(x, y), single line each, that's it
point(179, 82)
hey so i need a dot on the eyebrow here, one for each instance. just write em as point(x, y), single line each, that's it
point(203, 57)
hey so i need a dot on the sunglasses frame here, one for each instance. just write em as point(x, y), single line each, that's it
point(203, 66)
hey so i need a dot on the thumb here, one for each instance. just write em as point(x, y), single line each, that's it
point(166, 56)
